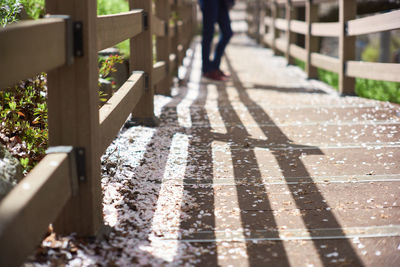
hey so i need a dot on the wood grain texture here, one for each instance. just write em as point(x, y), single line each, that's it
point(114, 113)
point(141, 59)
point(347, 45)
point(158, 26)
point(325, 62)
point(298, 52)
point(159, 72)
point(377, 23)
point(312, 42)
point(374, 71)
point(298, 26)
point(30, 47)
point(326, 29)
point(27, 211)
point(73, 118)
point(163, 46)
point(113, 29)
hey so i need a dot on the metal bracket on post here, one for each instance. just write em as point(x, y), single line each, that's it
point(145, 78)
point(78, 38)
point(166, 28)
point(146, 82)
point(73, 38)
point(69, 37)
point(145, 21)
point(346, 28)
point(77, 164)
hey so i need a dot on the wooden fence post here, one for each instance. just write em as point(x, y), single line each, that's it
point(248, 17)
point(174, 39)
point(347, 11)
point(311, 42)
point(274, 15)
point(290, 36)
point(74, 118)
point(141, 59)
point(163, 46)
point(257, 17)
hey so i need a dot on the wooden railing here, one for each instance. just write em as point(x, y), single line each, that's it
point(345, 30)
point(64, 188)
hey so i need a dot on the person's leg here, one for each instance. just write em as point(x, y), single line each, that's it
point(224, 23)
point(210, 15)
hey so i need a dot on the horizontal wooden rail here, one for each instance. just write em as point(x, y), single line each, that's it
point(298, 26)
point(303, 2)
point(298, 52)
point(159, 28)
point(27, 211)
point(117, 109)
point(325, 62)
point(347, 27)
point(51, 193)
point(327, 29)
point(374, 71)
point(268, 39)
point(159, 72)
point(113, 29)
point(281, 44)
point(267, 20)
point(281, 24)
point(377, 23)
point(42, 48)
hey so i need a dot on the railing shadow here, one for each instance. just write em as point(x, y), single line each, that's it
point(158, 150)
point(251, 219)
point(286, 160)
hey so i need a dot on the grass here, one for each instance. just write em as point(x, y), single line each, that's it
point(379, 90)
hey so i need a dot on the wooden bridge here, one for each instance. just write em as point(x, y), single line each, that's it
point(269, 169)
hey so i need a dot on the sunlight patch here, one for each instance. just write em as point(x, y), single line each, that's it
point(213, 113)
point(167, 217)
point(244, 115)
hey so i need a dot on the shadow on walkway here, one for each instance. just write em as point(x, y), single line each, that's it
point(286, 160)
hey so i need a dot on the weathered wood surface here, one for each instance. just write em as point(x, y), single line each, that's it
point(285, 168)
point(377, 23)
point(74, 118)
point(114, 113)
point(163, 45)
point(42, 49)
point(142, 60)
point(113, 29)
point(347, 45)
point(37, 196)
point(374, 71)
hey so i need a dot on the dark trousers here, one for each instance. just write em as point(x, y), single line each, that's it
point(214, 11)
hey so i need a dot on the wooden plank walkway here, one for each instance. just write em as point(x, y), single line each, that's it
point(268, 169)
point(288, 172)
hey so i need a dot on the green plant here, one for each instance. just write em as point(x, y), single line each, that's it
point(23, 114)
point(371, 53)
point(380, 90)
point(9, 10)
point(329, 77)
point(106, 7)
point(107, 65)
point(34, 8)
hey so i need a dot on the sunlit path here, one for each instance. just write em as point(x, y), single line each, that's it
point(267, 169)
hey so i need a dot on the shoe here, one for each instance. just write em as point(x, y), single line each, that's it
point(214, 75)
point(225, 74)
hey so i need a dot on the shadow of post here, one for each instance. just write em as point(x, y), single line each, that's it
point(285, 161)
